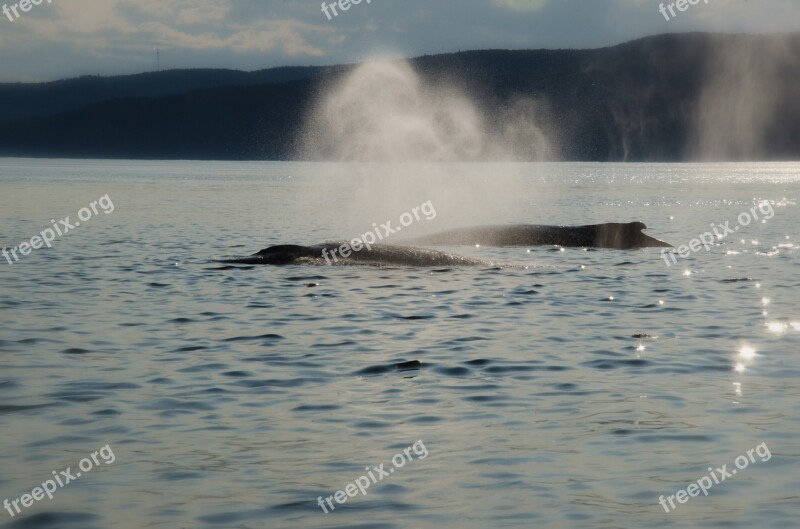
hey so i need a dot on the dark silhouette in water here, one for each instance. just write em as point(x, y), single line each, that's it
point(376, 255)
point(619, 236)
point(609, 235)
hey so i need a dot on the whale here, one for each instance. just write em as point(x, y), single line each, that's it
point(372, 255)
point(409, 253)
point(620, 236)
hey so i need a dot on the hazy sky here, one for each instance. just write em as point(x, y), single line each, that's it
point(66, 38)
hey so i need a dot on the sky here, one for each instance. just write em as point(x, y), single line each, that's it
point(67, 38)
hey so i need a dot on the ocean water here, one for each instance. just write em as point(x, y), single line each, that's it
point(558, 388)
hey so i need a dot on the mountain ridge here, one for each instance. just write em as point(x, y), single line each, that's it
point(645, 100)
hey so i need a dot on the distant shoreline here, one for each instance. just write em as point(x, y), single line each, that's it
point(667, 98)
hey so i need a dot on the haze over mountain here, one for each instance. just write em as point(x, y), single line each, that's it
point(665, 98)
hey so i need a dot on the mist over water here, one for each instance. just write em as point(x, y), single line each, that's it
point(385, 112)
point(740, 98)
point(402, 137)
point(400, 132)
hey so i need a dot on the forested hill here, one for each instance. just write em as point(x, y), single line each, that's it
point(664, 98)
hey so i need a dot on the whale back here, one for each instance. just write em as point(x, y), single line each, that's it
point(610, 235)
point(376, 255)
point(406, 253)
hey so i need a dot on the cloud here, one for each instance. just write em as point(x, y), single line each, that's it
point(120, 36)
point(102, 26)
point(183, 12)
point(521, 5)
point(274, 35)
